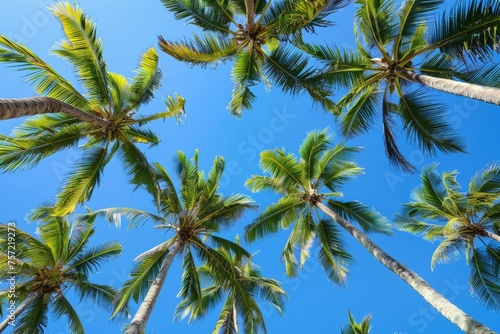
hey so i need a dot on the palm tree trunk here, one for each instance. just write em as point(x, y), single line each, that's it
point(250, 7)
point(235, 318)
point(477, 92)
point(434, 298)
point(14, 108)
point(142, 315)
point(493, 236)
point(19, 310)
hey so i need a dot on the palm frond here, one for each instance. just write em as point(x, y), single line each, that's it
point(484, 277)
point(448, 250)
point(332, 255)
point(83, 49)
point(46, 81)
point(214, 17)
point(413, 13)
point(471, 31)
point(274, 217)
point(63, 307)
point(141, 276)
point(376, 22)
point(360, 115)
point(93, 258)
point(312, 146)
point(201, 50)
point(430, 232)
point(25, 153)
point(426, 124)
point(289, 70)
point(146, 81)
point(284, 168)
point(98, 294)
point(81, 182)
point(34, 319)
point(368, 219)
point(138, 168)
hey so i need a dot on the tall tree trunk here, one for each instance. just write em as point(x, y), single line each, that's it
point(142, 315)
point(477, 92)
point(15, 315)
point(493, 236)
point(250, 7)
point(235, 318)
point(434, 298)
point(14, 108)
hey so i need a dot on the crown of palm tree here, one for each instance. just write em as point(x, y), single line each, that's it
point(357, 328)
point(194, 214)
point(301, 183)
point(48, 267)
point(463, 222)
point(238, 294)
point(250, 33)
point(104, 119)
point(396, 50)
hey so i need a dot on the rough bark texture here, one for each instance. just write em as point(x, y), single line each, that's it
point(19, 310)
point(481, 93)
point(434, 298)
point(14, 108)
point(143, 313)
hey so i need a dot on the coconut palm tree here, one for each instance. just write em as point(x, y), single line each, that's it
point(402, 56)
point(49, 268)
point(303, 203)
point(463, 222)
point(101, 119)
point(250, 33)
point(236, 305)
point(354, 328)
point(193, 214)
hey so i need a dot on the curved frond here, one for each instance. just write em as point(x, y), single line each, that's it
point(83, 49)
point(201, 50)
point(146, 81)
point(63, 307)
point(484, 276)
point(274, 217)
point(368, 219)
point(332, 255)
point(46, 81)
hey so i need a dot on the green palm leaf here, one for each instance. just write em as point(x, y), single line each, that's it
point(332, 255)
point(63, 307)
point(78, 187)
point(34, 320)
point(484, 277)
point(83, 49)
point(45, 79)
point(146, 80)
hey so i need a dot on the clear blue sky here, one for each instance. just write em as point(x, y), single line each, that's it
point(128, 28)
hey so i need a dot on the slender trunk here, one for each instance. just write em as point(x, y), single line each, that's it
point(142, 315)
point(434, 298)
point(477, 92)
point(14, 108)
point(250, 7)
point(493, 236)
point(235, 318)
point(12, 317)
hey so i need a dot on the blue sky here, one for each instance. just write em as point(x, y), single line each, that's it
point(277, 120)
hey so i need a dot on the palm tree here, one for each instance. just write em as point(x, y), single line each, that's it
point(302, 204)
point(48, 268)
point(194, 215)
point(463, 222)
point(250, 33)
point(101, 119)
point(405, 52)
point(354, 328)
point(236, 304)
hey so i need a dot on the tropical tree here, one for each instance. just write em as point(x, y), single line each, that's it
point(406, 52)
point(250, 33)
point(100, 120)
point(236, 305)
point(193, 214)
point(302, 204)
point(357, 328)
point(462, 222)
point(49, 268)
